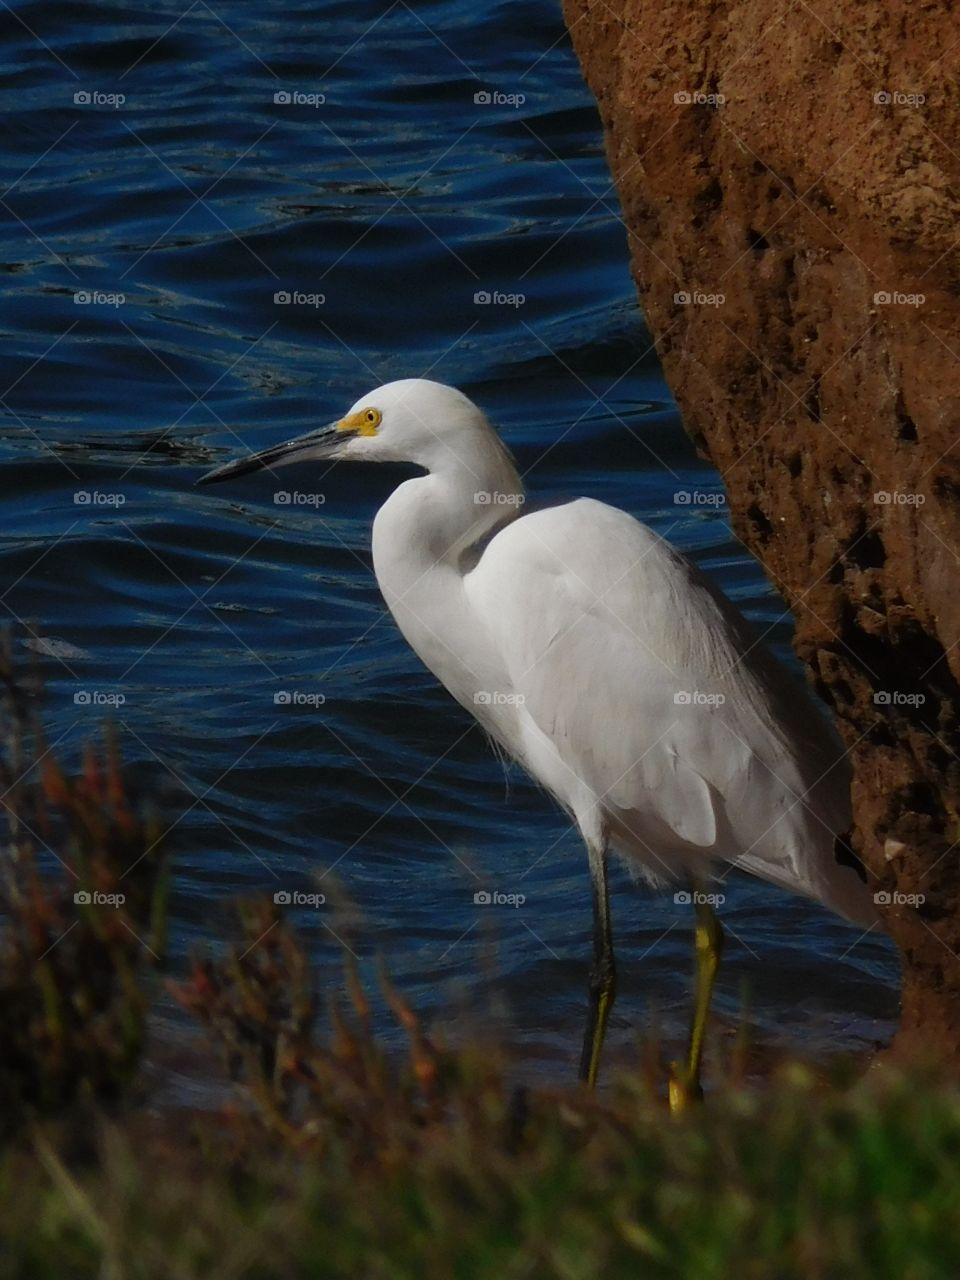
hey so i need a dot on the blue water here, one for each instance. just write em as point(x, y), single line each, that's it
point(180, 197)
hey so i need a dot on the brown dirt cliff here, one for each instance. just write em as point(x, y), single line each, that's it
point(803, 161)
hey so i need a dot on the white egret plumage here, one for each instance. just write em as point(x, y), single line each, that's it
point(604, 662)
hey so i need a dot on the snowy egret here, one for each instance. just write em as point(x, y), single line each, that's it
point(604, 662)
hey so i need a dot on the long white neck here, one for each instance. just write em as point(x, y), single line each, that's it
point(426, 536)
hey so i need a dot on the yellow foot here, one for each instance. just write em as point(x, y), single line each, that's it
point(682, 1088)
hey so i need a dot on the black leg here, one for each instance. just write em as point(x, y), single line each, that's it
point(684, 1084)
point(603, 977)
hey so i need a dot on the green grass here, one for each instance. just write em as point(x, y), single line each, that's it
point(791, 1179)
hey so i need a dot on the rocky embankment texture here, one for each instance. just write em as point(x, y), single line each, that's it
point(803, 161)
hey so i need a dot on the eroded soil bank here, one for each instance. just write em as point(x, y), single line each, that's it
point(790, 180)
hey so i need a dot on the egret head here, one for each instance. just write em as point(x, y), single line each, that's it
point(412, 420)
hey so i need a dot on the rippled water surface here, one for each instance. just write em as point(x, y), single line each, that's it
point(148, 227)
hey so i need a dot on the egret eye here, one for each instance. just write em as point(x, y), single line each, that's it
point(371, 420)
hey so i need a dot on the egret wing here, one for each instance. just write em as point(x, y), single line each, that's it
point(645, 681)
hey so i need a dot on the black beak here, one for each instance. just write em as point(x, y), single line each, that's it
point(320, 445)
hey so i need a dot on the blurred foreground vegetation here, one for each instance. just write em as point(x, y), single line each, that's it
point(789, 1181)
point(332, 1157)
